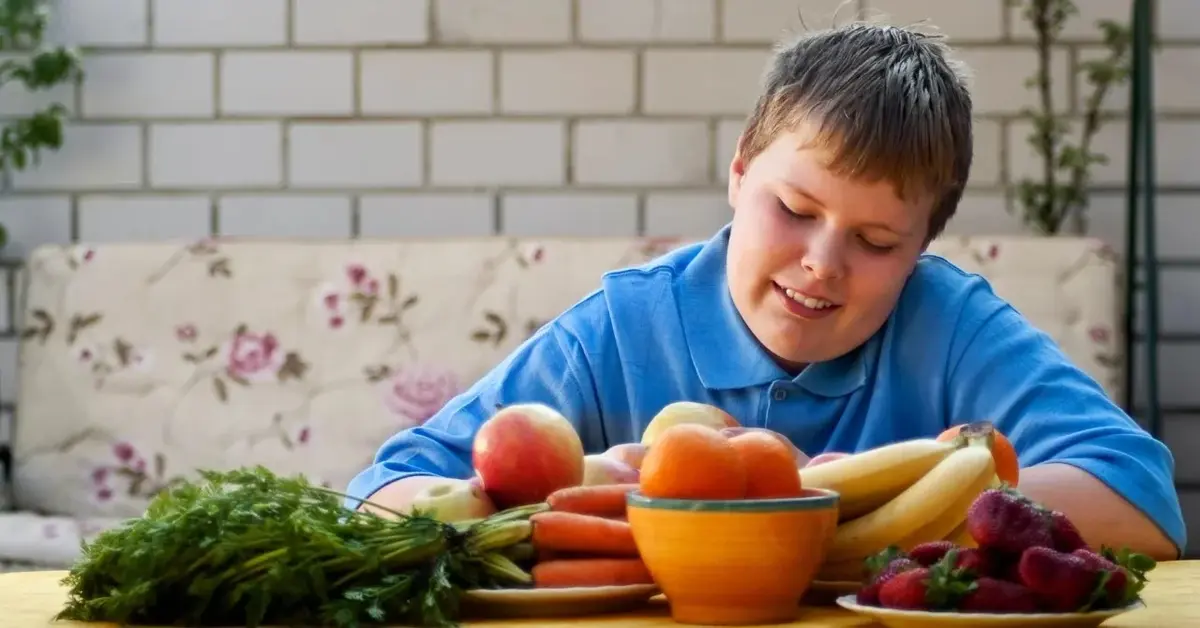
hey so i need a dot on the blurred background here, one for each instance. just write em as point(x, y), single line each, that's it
point(541, 118)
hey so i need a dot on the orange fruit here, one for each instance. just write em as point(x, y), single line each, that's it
point(692, 461)
point(770, 465)
point(1008, 467)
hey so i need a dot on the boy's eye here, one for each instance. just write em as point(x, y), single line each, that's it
point(878, 248)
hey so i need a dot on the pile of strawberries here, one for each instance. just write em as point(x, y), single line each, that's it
point(1028, 560)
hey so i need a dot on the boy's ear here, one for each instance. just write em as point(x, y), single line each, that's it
point(737, 171)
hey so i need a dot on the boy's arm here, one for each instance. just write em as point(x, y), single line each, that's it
point(549, 368)
point(1080, 453)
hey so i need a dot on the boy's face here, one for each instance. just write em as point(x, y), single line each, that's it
point(816, 262)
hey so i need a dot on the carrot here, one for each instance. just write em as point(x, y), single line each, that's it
point(606, 500)
point(571, 532)
point(590, 572)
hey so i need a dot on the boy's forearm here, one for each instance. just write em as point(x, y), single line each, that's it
point(399, 495)
point(1102, 516)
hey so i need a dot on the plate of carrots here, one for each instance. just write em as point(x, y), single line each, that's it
point(581, 556)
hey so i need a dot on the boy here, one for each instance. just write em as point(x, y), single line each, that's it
point(815, 314)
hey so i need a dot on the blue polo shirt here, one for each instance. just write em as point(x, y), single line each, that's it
point(951, 352)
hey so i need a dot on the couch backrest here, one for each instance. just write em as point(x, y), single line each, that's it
point(143, 362)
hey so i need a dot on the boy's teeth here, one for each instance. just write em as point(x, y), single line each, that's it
point(815, 304)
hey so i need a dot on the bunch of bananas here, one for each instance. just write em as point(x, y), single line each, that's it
point(901, 494)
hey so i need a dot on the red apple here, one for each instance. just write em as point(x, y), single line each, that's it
point(601, 469)
point(631, 454)
point(687, 412)
point(454, 500)
point(525, 452)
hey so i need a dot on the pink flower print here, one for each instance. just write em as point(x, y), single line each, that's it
point(993, 251)
point(186, 332)
point(303, 435)
point(1099, 334)
point(357, 273)
point(103, 494)
point(531, 254)
point(254, 355)
point(124, 452)
point(99, 475)
point(416, 394)
point(49, 531)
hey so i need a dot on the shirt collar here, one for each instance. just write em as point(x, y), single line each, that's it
point(726, 354)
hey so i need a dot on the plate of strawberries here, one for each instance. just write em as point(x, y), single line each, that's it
point(1027, 566)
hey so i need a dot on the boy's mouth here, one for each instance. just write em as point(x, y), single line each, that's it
point(804, 305)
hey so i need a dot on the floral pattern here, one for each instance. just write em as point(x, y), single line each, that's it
point(142, 363)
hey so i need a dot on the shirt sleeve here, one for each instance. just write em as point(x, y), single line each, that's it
point(547, 368)
point(1015, 375)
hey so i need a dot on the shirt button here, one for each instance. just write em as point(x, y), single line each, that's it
point(780, 394)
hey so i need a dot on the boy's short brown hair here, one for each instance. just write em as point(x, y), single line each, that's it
point(887, 102)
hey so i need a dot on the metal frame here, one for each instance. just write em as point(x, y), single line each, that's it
point(1142, 183)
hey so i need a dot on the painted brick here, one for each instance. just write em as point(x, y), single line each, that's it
point(567, 81)
point(511, 21)
point(647, 20)
point(1110, 140)
point(686, 214)
point(569, 214)
point(425, 215)
point(353, 22)
point(1179, 19)
point(98, 22)
point(362, 154)
point(285, 216)
point(482, 153)
point(220, 22)
point(983, 213)
point(985, 162)
point(142, 218)
point(1081, 26)
point(952, 18)
point(17, 100)
point(32, 221)
point(1175, 157)
point(772, 20)
point(701, 81)
point(152, 85)
point(641, 152)
point(287, 83)
point(216, 154)
point(998, 78)
point(725, 145)
point(426, 82)
point(1174, 67)
point(93, 156)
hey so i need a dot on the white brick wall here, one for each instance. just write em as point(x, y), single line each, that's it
point(381, 118)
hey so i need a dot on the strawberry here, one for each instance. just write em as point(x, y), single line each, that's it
point(979, 562)
point(1003, 519)
point(937, 587)
point(1064, 582)
point(880, 568)
point(1117, 579)
point(990, 595)
point(927, 554)
point(1066, 536)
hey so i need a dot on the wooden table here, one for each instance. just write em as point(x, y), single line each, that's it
point(31, 599)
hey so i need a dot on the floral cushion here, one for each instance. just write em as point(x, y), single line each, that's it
point(144, 362)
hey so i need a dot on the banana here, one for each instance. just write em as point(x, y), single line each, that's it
point(961, 537)
point(941, 527)
point(965, 471)
point(866, 481)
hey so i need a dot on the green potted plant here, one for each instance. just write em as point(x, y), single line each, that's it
point(1057, 199)
point(29, 62)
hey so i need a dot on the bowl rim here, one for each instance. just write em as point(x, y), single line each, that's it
point(821, 499)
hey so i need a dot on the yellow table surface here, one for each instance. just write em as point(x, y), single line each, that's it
point(1172, 597)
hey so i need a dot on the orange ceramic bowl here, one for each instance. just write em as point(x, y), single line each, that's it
point(734, 562)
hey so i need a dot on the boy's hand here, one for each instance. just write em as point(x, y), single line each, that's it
point(801, 457)
point(825, 457)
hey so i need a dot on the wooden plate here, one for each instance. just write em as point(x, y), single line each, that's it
point(919, 619)
point(556, 602)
